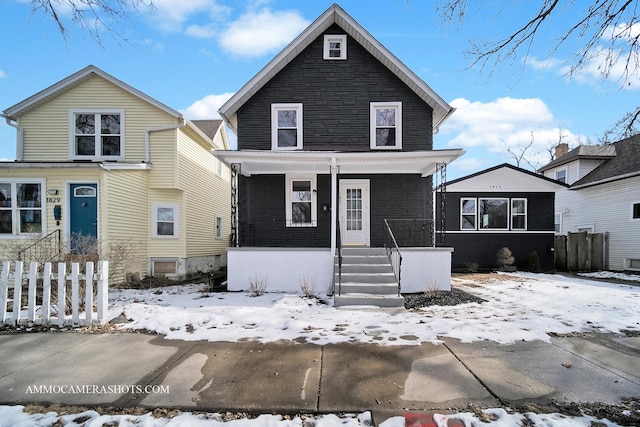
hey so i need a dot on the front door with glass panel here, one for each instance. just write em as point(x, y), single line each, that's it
point(354, 211)
point(83, 218)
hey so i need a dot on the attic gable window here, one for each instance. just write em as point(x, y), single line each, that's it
point(286, 126)
point(97, 135)
point(335, 47)
point(386, 125)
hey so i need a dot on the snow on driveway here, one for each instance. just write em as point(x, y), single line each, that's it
point(519, 306)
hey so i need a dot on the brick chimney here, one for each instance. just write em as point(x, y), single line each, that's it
point(561, 149)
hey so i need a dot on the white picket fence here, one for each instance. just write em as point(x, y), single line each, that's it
point(44, 313)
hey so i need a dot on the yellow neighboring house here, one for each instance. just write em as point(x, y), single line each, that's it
point(114, 172)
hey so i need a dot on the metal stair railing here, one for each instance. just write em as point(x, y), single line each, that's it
point(393, 252)
point(45, 249)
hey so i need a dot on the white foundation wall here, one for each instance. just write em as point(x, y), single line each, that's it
point(283, 269)
point(425, 269)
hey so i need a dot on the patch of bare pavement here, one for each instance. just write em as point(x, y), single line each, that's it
point(133, 373)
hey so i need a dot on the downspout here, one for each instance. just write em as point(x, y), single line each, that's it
point(19, 137)
point(147, 155)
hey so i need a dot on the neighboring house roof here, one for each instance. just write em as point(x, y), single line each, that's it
point(504, 178)
point(592, 152)
point(336, 15)
point(74, 80)
point(209, 127)
point(625, 163)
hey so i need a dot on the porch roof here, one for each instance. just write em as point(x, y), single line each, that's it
point(255, 162)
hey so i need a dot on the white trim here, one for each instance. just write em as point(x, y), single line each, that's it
point(525, 215)
point(97, 155)
point(365, 185)
point(275, 108)
point(561, 217)
point(332, 38)
point(566, 177)
point(14, 209)
point(154, 220)
point(475, 213)
point(480, 219)
point(373, 108)
point(589, 228)
point(314, 200)
point(218, 230)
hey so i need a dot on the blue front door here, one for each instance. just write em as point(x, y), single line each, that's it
point(83, 218)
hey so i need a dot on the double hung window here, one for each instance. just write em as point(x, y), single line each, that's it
point(335, 46)
point(301, 208)
point(165, 221)
point(386, 125)
point(286, 126)
point(21, 207)
point(97, 135)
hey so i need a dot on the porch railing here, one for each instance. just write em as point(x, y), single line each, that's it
point(414, 232)
point(393, 252)
point(47, 248)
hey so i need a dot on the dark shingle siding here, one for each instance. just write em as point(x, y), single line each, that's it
point(336, 96)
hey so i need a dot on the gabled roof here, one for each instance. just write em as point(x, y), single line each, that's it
point(74, 80)
point(209, 127)
point(624, 164)
point(592, 152)
point(336, 15)
point(504, 178)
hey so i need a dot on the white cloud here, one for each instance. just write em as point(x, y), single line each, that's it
point(172, 15)
point(207, 107)
point(506, 123)
point(258, 33)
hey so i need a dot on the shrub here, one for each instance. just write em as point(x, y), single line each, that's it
point(533, 263)
point(505, 259)
point(257, 285)
point(308, 287)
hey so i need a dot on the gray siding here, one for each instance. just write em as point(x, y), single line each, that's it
point(336, 96)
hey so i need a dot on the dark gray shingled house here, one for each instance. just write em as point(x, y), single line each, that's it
point(335, 136)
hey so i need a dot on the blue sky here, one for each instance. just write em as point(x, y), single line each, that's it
point(193, 54)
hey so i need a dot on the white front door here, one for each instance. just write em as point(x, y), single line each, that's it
point(354, 211)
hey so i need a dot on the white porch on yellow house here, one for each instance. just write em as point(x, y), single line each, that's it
point(423, 268)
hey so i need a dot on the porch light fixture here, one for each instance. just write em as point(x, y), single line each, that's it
point(52, 191)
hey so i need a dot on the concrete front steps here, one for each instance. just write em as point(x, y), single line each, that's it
point(367, 279)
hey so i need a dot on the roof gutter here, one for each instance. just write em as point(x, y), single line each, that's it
point(605, 180)
point(436, 128)
point(147, 135)
point(19, 136)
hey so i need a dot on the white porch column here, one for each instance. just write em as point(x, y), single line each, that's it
point(334, 205)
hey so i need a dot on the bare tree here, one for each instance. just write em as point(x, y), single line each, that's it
point(94, 17)
point(519, 157)
point(608, 30)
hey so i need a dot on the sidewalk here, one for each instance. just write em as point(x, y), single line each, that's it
point(128, 369)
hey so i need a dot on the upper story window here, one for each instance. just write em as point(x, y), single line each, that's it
point(386, 125)
point(335, 46)
point(21, 207)
point(561, 175)
point(286, 126)
point(97, 135)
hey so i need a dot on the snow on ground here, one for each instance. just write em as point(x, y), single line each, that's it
point(519, 306)
point(15, 416)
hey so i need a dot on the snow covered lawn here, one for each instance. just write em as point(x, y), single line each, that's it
point(519, 306)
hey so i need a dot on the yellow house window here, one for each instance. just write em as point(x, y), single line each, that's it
point(97, 135)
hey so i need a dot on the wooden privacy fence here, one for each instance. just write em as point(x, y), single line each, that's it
point(580, 252)
point(88, 290)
